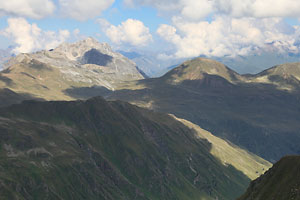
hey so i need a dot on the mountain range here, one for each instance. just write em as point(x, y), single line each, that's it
point(220, 129)
point(155, 66)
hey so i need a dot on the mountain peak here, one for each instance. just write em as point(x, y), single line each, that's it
point(199, 68)
point(72, 67)
point(74, 51)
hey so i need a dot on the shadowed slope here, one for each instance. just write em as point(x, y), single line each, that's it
point(106, 150)
point(281, 182)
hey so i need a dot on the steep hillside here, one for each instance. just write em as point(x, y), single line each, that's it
point(61, 73)
point(281, 182)
point(106, 150)
point(254, 115)
point(229, 154)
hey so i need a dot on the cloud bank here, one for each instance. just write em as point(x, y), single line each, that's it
point(195, 10)
point(226, 27)
point(35, 9)
point(230, 36)
point(83, 9)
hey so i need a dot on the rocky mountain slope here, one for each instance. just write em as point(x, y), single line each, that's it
point(58, 73)
point(281, 182)
point(96, 149)
point(256, 112)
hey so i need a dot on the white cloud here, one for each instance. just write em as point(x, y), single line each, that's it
point(83, 9)
point(27, 8)
point(259, 8)
point(131, 31)
point(198, 9)
point(227, 36)
point(29, 37)
point(161, 5)
point(195, 10)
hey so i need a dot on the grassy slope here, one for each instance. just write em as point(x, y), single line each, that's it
point(230, 154)
point(37, 79)
point(106, 150)
point(281, 182)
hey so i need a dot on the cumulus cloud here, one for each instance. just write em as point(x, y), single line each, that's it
point(227, 36)
point(131, 31)
point(29, 37)
point(83, 10)
point(27, 8)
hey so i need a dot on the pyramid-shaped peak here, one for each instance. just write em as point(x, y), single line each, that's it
point(196, 69)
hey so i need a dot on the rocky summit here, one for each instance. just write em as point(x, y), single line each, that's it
point(61, 73)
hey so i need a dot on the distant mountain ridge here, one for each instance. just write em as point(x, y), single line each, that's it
point(196, 69)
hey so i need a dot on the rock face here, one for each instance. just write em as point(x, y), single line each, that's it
point(97, 149)
point(281, 182)
point(58, 73)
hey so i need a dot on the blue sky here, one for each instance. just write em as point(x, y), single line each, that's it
point(173, 28)
point(115, 14)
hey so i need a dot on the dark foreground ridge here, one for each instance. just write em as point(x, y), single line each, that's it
point(281, 182)
point(97, 149)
